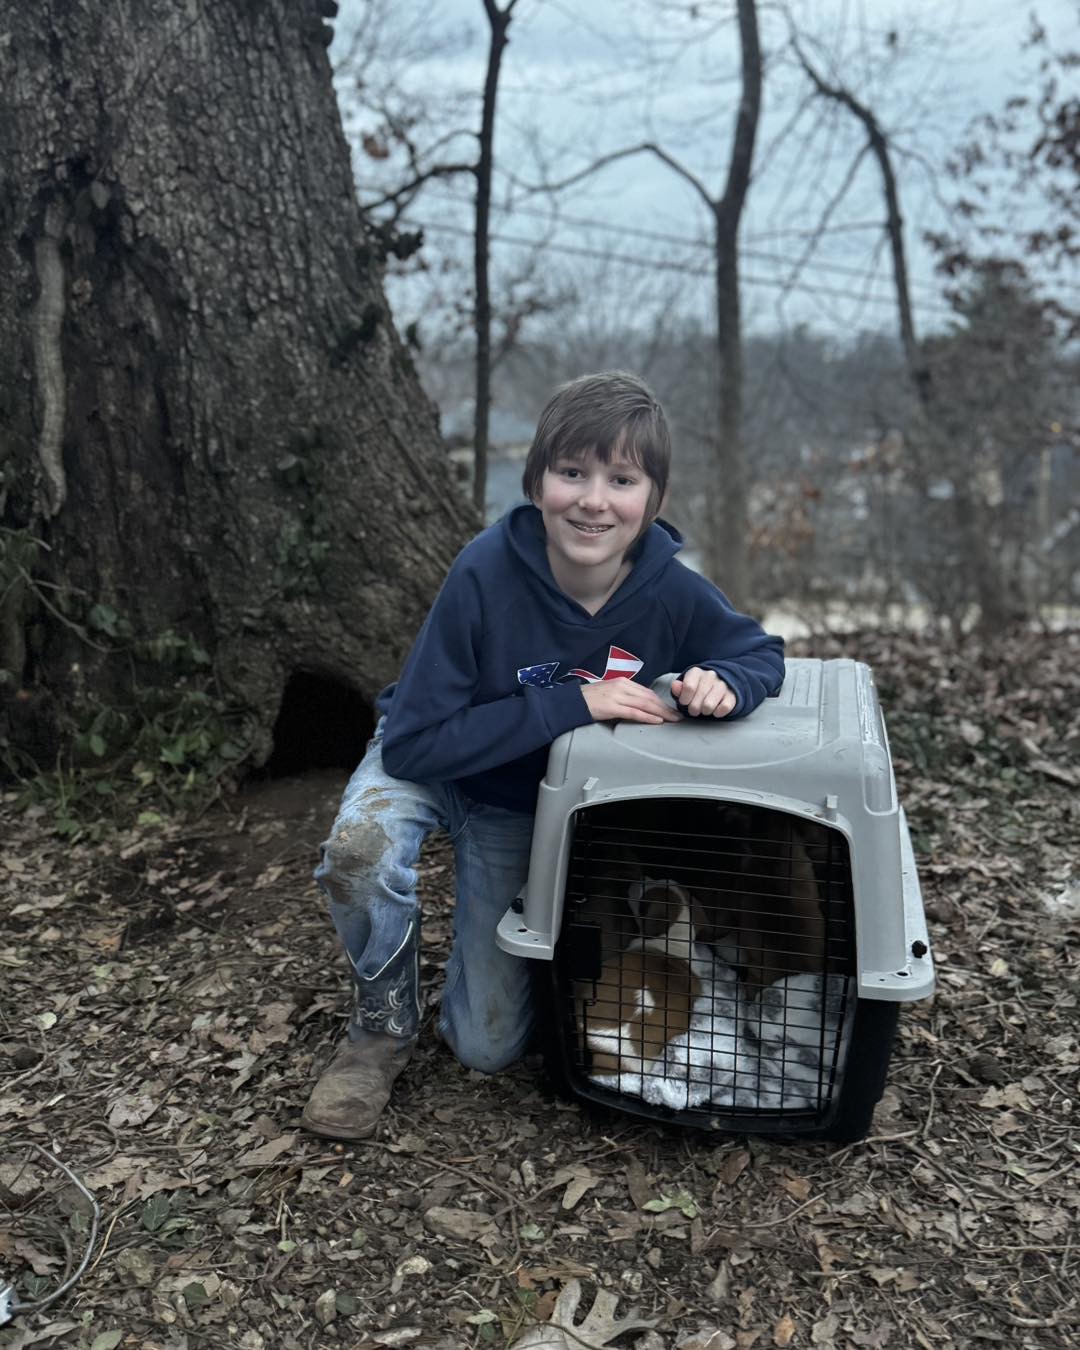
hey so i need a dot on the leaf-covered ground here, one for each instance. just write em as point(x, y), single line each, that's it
point(167, 998)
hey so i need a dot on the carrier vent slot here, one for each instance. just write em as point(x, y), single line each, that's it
point(802, 687)
point(706, 961)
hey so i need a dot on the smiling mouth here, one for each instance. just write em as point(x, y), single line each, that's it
point(590, 529)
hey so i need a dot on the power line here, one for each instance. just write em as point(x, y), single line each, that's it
point(685, 269)
point(664, 236)
point(684, 241)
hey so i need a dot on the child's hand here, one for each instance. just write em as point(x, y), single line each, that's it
point(624, 701)
point(703, 693)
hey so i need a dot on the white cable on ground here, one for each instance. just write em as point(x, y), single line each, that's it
point(9, 1306)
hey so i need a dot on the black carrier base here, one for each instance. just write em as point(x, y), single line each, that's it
point(705, 973)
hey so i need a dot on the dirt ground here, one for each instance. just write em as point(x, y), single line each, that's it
point(167, 997)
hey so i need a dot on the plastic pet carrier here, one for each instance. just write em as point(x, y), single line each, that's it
point(729, 912)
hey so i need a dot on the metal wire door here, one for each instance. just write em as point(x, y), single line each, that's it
point(705, 966)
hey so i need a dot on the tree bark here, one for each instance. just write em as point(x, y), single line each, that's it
point(499, 19)
point(207, 422)
point(726, 491)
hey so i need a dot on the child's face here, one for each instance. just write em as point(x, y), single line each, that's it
point(593, 512)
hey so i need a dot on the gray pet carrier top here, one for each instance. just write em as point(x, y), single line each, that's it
point(720, 900)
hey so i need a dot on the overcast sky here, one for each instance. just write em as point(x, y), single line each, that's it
point(574, 88)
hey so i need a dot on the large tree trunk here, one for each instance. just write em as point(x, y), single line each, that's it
point(206, 417)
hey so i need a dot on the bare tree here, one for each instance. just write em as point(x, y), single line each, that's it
point(499, 21)
point(968, 563)
point(424, 166)
point(1025, 153)
point(878, 143)
point(726, 482)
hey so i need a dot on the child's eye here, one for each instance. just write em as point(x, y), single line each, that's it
point(569, 470)
point(622, 480)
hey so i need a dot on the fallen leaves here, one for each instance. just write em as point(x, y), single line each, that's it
point(599, 1327)
point(155, 1212)
point(137, 1265)
point(412, 1265)
point(578, 1181)
point(733, 1166)
point(267, 877)
point(1011, 1095)
point(797, 1187)
point(784, 1331)
point(267, 1153)
point(637, 1183)
point(326, 1307)
point(19, 1181)
point(41, 1263)
point(107, 1340)
point(904, 1280)
point(132, 1109)
point(221, 1214)
point(683, 1201)
point(274, 1027)
point(706, 1338)
point(461, 1225)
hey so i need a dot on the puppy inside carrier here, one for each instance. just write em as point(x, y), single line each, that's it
point(729, 912)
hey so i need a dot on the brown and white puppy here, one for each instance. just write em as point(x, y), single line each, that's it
point(644, 996)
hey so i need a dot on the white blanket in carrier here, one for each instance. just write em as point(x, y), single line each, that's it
point(773, 1051)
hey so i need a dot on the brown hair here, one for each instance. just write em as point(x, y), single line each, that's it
point(610, 413)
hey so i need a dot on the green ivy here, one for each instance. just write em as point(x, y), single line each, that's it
point(304, 540)
point(173, 747)
point(173, 742)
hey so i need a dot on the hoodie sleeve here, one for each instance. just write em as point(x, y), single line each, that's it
point(434, 733)
point(717, 637)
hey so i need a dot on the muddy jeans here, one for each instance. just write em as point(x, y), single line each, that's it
point(368, 872)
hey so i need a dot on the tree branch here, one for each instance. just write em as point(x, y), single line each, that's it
point(408, 190)
point(499, 23)
point(823, 222)
point(894, 224)
point(746, 119)
point(645, 147)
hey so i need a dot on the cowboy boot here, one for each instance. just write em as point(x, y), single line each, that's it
point(354, 1088)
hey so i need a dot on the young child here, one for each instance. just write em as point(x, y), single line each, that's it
point(562, 613)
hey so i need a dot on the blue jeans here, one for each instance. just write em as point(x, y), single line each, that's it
point(368, 872)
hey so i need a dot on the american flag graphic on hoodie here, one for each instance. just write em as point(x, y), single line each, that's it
point(621, 665)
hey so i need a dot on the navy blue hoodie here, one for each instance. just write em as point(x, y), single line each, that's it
point(497, 670)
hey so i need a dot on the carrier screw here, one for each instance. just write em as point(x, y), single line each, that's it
point(518, 905)
point(918, 949)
